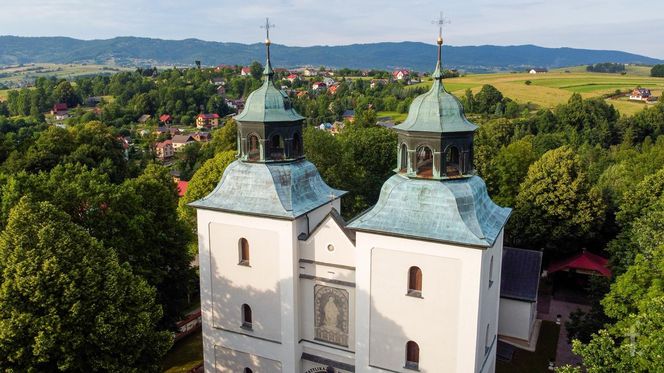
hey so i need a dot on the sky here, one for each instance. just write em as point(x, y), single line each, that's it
point(593, 24)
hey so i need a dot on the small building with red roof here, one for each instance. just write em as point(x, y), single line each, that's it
point(585, 263)
point(207, 120)
point(182, 188)
point(164, 149)
point(165, 118)
point(245, 71)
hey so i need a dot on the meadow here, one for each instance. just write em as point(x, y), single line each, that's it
point(12, 75)
point(550, 89)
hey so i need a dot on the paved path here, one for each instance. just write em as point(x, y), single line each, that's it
point(564, 353)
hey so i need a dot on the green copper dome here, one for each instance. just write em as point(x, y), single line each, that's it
point(267, 103)
point(436, 111)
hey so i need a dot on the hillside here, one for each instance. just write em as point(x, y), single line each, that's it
point(412, 55)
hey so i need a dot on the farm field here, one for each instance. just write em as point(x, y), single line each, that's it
point(553, 88)
point(15, 74)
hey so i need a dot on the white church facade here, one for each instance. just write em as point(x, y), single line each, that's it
point(413, 284)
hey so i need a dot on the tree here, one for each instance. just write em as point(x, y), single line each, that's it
point(67, 303)
point(657, 71)
point(487, 99)
point(511, 166)
point(256, 70)
point(64, 92)
point(556, 207)
point(202, 183)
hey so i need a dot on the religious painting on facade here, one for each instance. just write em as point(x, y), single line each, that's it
point(331, 315)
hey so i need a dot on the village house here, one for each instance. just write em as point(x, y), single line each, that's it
point(309, 72)
point(349, 115)
point(60, 111)
point(292, 78)
point(400, 74)
point(319, 86)
point(164, 130)
point(201, 136)
point(144, 118)
point(333, 89)
point(377, 82)
point(245, 71)
point(640, 94)
point(538, 70)
point(207, 120)
point(165, 119)
point(180, 141)
point(218, 81)
point(328, 81)
point(164, 150)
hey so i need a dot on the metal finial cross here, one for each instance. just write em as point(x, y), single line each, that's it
point(441, 21)
point(267, 26)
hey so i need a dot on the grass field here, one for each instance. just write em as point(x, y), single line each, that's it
point(185, 355)
point(396, 116)
point(3, 94)
point(554, 88)
point(16, 74)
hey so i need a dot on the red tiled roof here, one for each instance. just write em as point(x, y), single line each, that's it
point(246, 70)
point(182, 187)
point(584, 261)
point(209, 116)
point(164, 143)
point(165, 118)
point(60, 106)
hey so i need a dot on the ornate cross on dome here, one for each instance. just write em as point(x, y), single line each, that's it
point(268, 66)
point(267, 26)
point(441, 21)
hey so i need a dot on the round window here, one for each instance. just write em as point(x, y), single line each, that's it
point(330, 247)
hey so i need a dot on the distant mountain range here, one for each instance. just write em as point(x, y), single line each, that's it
point(134, 51)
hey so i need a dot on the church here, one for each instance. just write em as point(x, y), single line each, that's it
point(412, 284)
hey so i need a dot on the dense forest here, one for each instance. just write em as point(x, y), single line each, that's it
point(93, 230)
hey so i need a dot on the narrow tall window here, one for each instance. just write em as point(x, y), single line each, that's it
point(452, 162)
point(403, 167)
point(243, 248)
point(297, 145)
point(247, 370)
point(412, 355)
point(246, 317)
point(491, 272)
point(254, 148)
point(277, 147)
point(424, 162)
point(415, 281)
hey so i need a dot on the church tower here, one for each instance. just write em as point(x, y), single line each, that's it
point(429, 253)
point(248, 230)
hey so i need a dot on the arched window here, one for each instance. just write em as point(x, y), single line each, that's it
point(415, 281)
point(329, 369)
point(247, 370)
point(246, 317)
point(486, 339)
point(254, 152)
point(424, 163)
point(412, 355)
point(243, 251)
point(276, 147)
point(403, 166)
point(453, 167)
point(491, 272)
point(297, 145)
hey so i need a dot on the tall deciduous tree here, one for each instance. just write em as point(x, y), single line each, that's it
point(67, 304)
point(556, 205)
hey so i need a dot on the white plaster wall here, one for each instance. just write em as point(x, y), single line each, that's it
point(233, 361)
point(256, 285)
point(444, 323)
point(315, 247)
point(489, 305)
point(516, 318)
point(273, 241)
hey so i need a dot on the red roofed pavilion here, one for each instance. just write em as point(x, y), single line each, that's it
point(585, 262)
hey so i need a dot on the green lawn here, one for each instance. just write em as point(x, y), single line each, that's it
point(3, 94)
point(185, 354)
point(538, 361)
point(396, 116)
